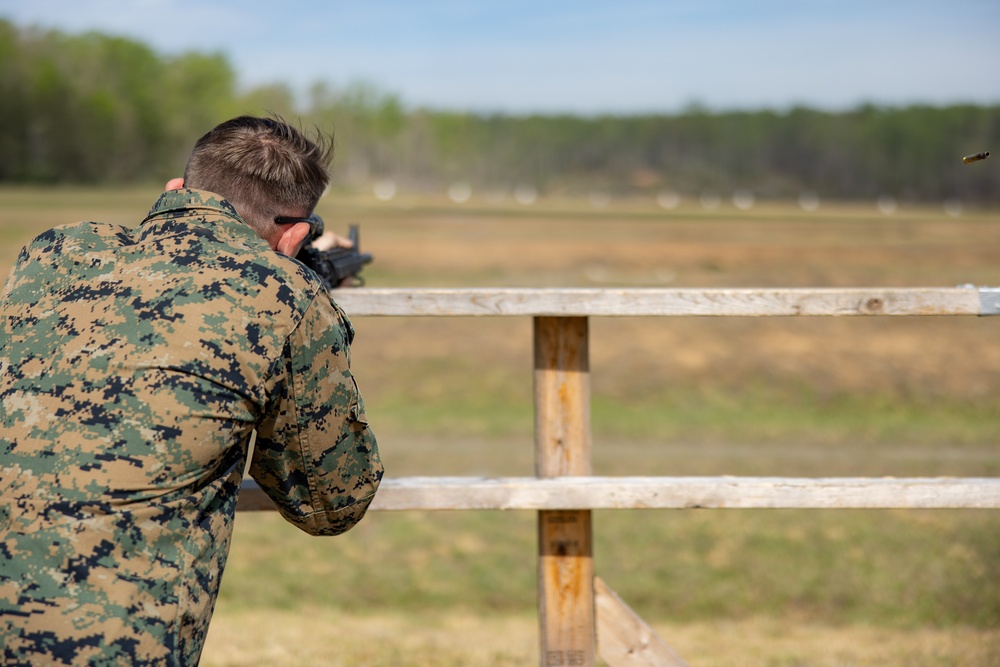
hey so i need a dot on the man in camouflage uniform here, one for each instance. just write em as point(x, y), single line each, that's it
point(134, 366)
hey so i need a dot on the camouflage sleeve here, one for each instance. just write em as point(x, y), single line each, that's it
point(315, 456)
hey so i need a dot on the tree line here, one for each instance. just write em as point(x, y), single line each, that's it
point(95, 108)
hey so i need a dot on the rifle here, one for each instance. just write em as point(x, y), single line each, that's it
point(335, 265)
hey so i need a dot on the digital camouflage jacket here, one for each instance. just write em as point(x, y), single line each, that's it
point(134, 366)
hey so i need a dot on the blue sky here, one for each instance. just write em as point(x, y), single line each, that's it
point(618, 56)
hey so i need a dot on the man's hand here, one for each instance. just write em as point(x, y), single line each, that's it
point(328, 240)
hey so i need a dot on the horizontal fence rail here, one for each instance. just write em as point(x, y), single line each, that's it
point(578, 302)
point(571, 493)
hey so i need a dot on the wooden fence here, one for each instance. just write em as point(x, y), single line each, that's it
point(580, 618)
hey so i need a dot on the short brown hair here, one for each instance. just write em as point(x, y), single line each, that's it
point(263, 166)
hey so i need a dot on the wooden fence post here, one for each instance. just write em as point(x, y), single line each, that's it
point(562, 448)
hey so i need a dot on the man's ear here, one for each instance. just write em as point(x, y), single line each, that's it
point(174, 184)
point(291, 239)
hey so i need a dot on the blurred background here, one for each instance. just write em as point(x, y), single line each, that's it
point(721, 102)
point(719, 144)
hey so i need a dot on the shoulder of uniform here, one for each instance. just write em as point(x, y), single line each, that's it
point(87, 232)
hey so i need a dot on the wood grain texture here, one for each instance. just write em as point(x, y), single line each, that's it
point(623, 638)
point(562, 396)
point(562, 447)
point(569, 493)
point(583, 302)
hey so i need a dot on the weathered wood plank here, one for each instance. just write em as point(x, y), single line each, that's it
point(583, 302)
point(562, 396)
point(623, 638)
point(562, 447)
point(569, 493)
point(567, 634)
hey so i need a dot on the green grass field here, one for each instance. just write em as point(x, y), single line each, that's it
point(671, 396)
